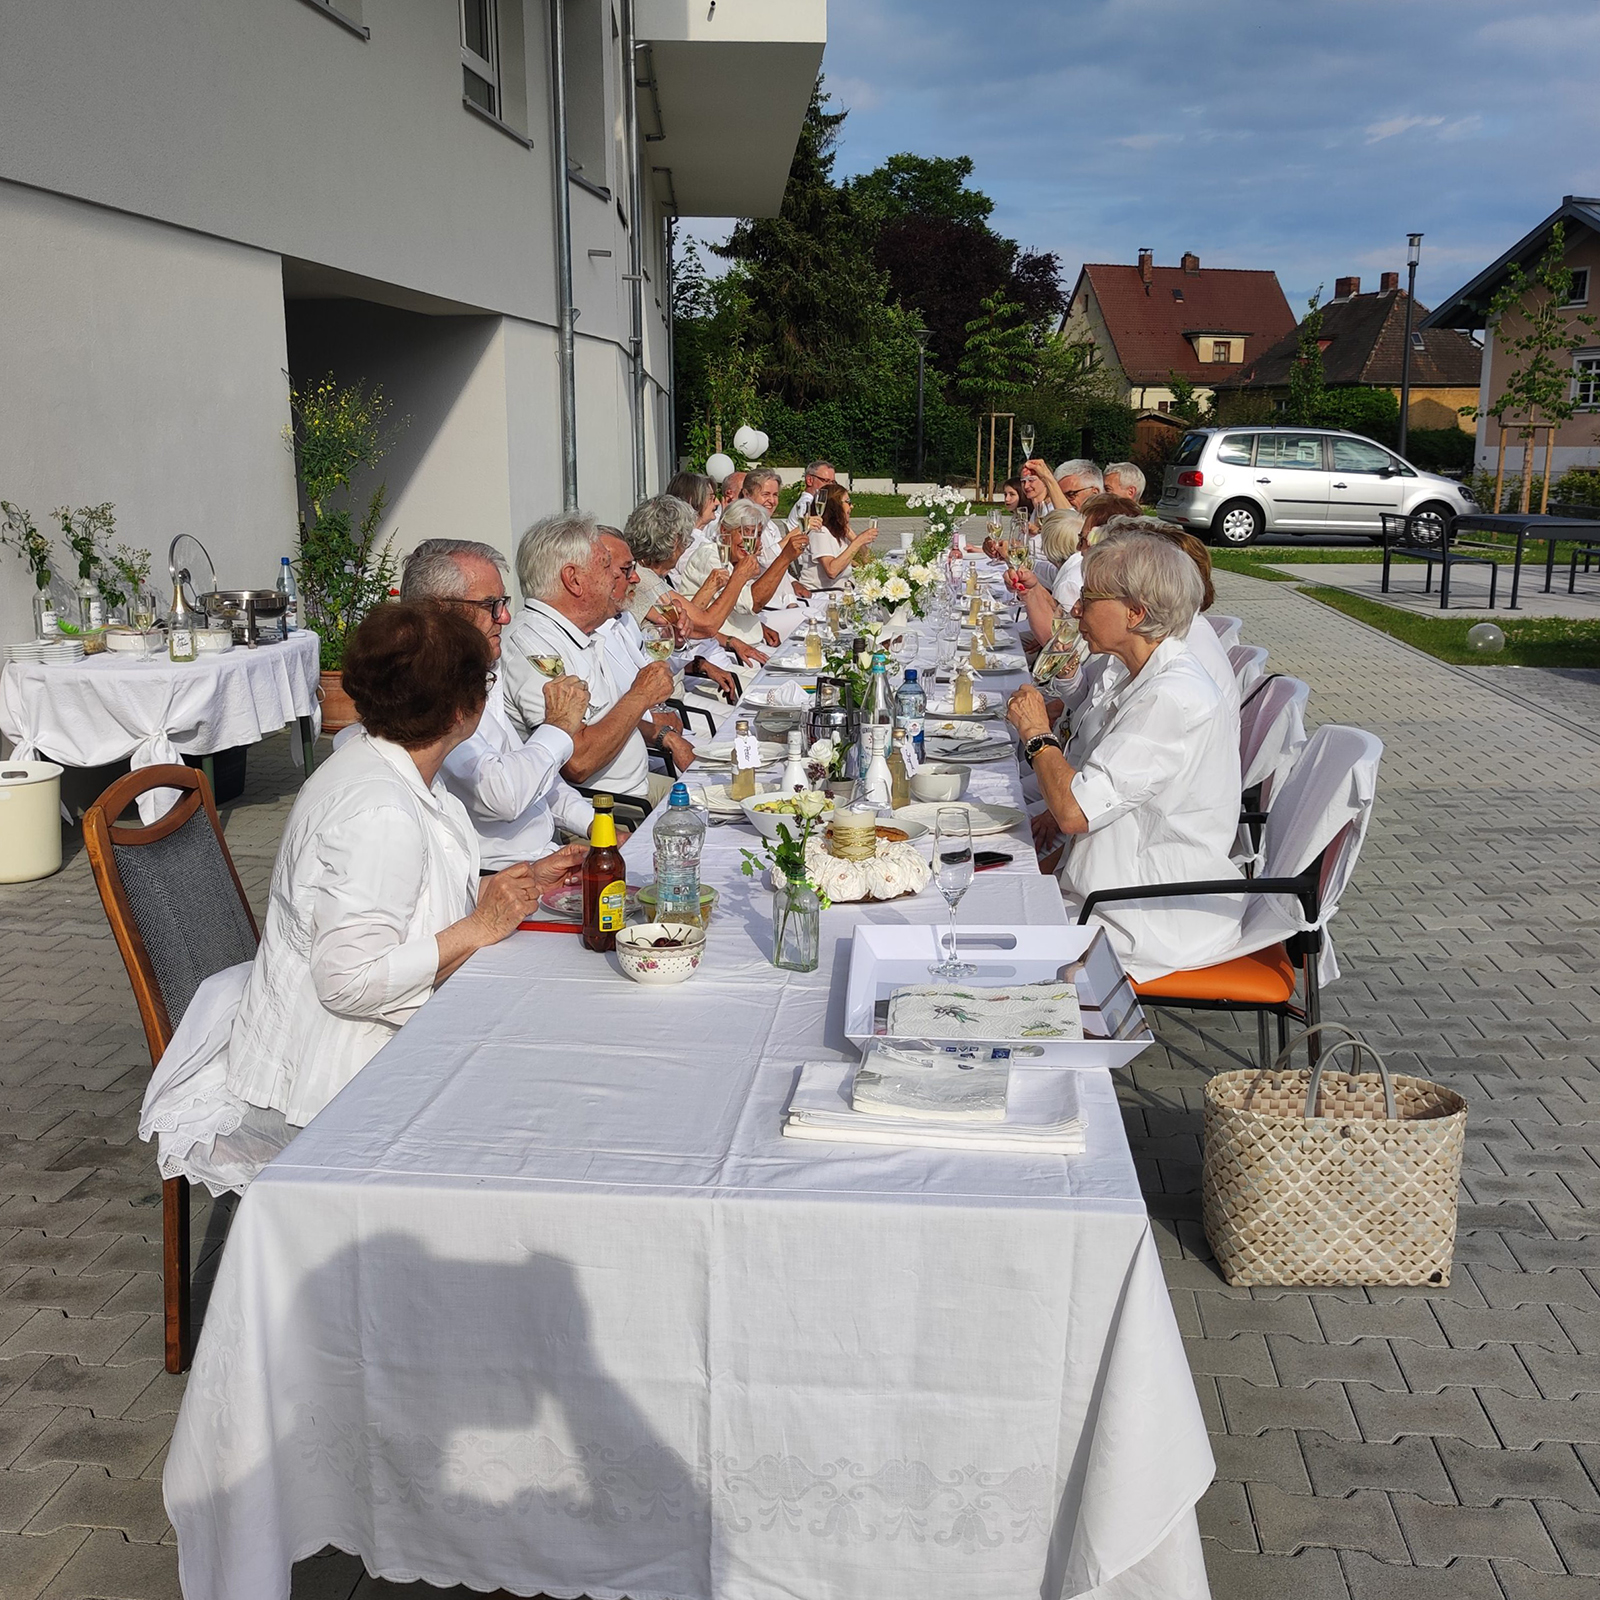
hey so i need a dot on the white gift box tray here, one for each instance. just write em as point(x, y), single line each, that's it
point(884, 958)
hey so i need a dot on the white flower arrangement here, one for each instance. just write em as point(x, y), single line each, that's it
point(913, 584)
point(897, 589)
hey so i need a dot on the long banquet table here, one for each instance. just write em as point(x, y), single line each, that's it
point(544, 1302)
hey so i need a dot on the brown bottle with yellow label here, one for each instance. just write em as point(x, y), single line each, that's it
point(605, 888)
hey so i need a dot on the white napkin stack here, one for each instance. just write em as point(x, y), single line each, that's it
point(1041, 1115)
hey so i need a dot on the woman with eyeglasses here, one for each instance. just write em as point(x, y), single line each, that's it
point(375, 901)
point(1156, 800)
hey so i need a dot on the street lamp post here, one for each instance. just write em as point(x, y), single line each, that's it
point(1413, 255)
point(922, 351)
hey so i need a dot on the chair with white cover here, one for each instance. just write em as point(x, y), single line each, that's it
point(1227, 629)
point(1249, 664)
point(1272, 733)
point(1313, 837)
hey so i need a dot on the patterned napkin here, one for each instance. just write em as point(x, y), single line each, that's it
point(955, 1011)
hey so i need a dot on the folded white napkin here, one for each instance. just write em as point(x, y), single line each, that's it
point(786, 694)
point(1042, 1116)
point(918, 1084)
point(965, 1011)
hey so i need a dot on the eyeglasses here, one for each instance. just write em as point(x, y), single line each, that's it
point(1099, 594)
point(1074, 495)
point(498, 606)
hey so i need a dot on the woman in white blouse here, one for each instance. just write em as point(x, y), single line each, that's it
point(1157, 799)
point(834, 544)
point(375, 900)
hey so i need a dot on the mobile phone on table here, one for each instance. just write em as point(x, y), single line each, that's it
point(984, 860)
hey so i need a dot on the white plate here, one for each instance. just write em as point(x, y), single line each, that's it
point(761, 699)
point(721, 755)
point(983, 705)
point(983, 819)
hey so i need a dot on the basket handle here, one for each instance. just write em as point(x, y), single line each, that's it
point(1357, 1046)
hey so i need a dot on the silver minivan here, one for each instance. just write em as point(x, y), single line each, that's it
point(1231, 485)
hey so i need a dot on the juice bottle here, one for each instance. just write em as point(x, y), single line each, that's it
point(605, 889)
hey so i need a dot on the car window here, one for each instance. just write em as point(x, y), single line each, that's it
point(1358, 455)
point(1189, 450)
point(1289, 450)
point(1235, 449)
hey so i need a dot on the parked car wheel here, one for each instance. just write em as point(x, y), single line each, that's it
point(1429, 522)
point(1238, 523)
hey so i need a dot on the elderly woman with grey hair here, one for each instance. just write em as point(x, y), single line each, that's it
point(1157, 798)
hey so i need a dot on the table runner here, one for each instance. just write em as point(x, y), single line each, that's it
point(111, 706)
point(544, 1301)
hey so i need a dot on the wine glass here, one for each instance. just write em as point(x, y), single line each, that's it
point(550, 666)
point(1027, 441)
point(952, 864)
point(142, 614)
point(658, 646)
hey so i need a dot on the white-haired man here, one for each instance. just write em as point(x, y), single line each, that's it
point(1124, 478)
point(565, 568)
point(818, 475)
point(762, 488)
point(510, 785)
point(1079, 479)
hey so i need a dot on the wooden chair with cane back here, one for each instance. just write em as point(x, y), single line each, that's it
point(178, 913)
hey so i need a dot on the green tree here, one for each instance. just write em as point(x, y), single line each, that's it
point(1186, 404)
point(1000, 360)
point(908, 185)
point(716, 369)
point(818, 320)
point(1538, 390)
point(1306, 375)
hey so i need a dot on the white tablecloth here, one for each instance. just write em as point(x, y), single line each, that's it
point(543, 1301)
point(110, 706)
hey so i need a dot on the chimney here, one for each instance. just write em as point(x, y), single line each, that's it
point(1346, 288)
point(1191, 263)
point(1147, 268)
point(1389, 283)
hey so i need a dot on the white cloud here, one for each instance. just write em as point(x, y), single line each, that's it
point(1396, 125)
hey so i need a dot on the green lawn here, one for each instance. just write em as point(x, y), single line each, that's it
point(1530, 641)
point(863, 507)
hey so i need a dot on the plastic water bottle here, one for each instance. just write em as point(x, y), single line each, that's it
point(291, 594)
point(911, 709)
point(679, 835)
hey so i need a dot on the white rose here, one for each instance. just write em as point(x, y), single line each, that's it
point(811, 802)
point(822, 750)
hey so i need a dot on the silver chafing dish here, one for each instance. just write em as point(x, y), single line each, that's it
point(256, 616)
point(251, 615)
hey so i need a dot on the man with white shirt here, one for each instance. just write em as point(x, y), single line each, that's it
point(511, 787)
point(818, 474)
point(565, 569)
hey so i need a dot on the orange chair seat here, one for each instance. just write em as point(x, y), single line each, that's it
point(1263, 978)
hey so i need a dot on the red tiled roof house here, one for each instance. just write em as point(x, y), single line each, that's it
point(1148, 322)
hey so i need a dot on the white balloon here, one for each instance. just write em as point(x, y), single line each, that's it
point(750, 442)
point(718, 467)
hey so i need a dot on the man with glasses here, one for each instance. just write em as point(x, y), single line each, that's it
point(512, 787)
point(818, 475)
point(1079, 479)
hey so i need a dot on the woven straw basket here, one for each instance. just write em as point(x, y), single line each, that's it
point(1363, 1193)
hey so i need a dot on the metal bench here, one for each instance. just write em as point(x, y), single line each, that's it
point(1400, 539)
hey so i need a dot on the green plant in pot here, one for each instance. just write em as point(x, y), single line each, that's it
point(339, 432)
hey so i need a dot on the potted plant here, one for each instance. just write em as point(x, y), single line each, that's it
point(17, 532)
point(337, 432)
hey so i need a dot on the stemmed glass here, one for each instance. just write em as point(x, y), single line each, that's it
point(952, 863)
point(1027, 441)
point(550, 666)
point(659, 644)
point(142, 614)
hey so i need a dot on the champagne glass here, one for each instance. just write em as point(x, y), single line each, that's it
point(1027, 441)
point(550, 666)
point(952, 863)
point(658, 646)
point(142, 613)
point(1062, 656)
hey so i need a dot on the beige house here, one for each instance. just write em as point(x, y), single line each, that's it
point(1147, 322)
point(1577, 443)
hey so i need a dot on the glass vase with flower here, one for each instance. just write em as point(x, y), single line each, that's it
point(797, 902)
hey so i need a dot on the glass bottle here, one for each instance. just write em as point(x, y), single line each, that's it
point(46, 619)
point(290, 591)
point(91, 607)
point(911, 708)
point(899, 781)
point(961, 704)
point(744, 769)
point(182, 624)
point(794, 770)
point(796, 927)
point(813, 647)
point(605, 888)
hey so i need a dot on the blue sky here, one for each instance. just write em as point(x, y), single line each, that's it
point(1305, 137)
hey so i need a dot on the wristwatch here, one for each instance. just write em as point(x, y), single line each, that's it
point(1037, 743)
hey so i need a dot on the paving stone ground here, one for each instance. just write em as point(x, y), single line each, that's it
point(1399, 1445)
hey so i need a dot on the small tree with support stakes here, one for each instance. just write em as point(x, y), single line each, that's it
point(1539, 389)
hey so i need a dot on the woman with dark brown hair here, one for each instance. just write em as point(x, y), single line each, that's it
point(375, 901)
point(834, 544)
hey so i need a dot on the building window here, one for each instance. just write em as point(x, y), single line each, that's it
point(1586, 381)
point(1416, 339)
point(1222, 349)
point(1163, 405)
point(1580, 287)
point(480, 54)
